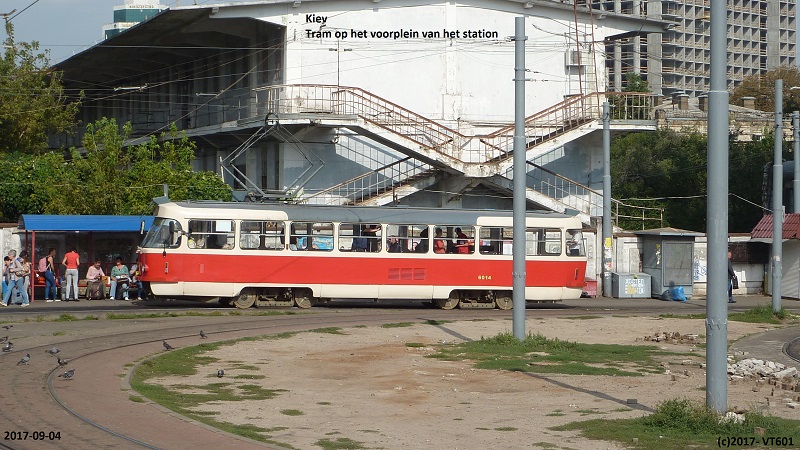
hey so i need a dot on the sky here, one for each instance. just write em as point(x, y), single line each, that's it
point(67, 27)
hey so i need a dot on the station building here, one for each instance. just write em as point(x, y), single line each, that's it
point(373, 102)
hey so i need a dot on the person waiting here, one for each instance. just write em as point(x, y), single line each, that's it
point(95, 288)
point(438, 242)
point(120, 275)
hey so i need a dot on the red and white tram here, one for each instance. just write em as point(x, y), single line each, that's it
point(284, 255)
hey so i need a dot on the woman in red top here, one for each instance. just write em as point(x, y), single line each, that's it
point(72, 260)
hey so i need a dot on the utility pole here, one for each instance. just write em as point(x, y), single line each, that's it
point(519, 174)
point(338, 50)
point(717, 215)
point(777, 200)
point(607, 227)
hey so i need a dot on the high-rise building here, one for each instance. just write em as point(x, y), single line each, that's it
point(761, 36)
point(131, 13)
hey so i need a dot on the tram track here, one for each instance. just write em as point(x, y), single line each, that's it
point(94, 410)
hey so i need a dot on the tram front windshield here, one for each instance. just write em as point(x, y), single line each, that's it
point(160, 236)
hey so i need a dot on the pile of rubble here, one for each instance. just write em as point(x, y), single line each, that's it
point(673, 337)
point(767, 373)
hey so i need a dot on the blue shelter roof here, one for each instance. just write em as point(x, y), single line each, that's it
point(43, 222)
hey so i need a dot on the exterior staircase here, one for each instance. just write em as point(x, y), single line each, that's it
point(435, 150)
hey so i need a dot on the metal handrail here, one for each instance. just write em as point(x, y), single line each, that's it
point(373, 182)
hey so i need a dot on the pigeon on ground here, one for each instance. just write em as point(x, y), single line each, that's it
point(62, 362)
point(166, 345)
point(8, 347)
point(53, 350)
point(202, 335)
point(68, 374)
point(25, 359)
point(3, 339)
point(220, 373)
point(7, 326)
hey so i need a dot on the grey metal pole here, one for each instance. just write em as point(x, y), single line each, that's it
point(607, 231)
point(519, 174)
point(777, 200)
point(717, 215)
point(796, 147)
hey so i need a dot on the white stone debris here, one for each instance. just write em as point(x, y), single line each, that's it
point(766, 372)
point(731, 417)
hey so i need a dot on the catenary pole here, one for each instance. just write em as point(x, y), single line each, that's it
point(519, 174)
point(796, 147)
point(717, 215)
point(777, 200)
point(607, 231)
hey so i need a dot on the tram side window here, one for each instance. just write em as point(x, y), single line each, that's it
point(407, 238)
point(457, 239)
point(542, 241)
point(576, 245)
point(159, 235)
point(496, 240)
point(311, 236)
point(211, 234)
point(261, 235)
point(360, 237)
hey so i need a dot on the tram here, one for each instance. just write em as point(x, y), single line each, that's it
point(250, 254)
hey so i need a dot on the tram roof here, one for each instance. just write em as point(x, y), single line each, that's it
point(78, 223)
point(364, 214)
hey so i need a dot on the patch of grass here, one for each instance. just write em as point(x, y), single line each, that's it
point(505, 429)
point(580, 317)
point(397, 325)
point(245, 367)
point(539, 354)
point(291, 412)
point(136, 398)
point(339, 444)
point(327, 330)
point(90, 317)
point(682, 424)
point(65, 318)
point(586, 412)
point(369, 431)
point(556, 413)
point(760, 314)
point(682, 316)
point(415, 344)
point(436, 322)
point(324, 403)
point(59, 333)
point(247, 376)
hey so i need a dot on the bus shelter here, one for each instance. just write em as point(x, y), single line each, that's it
point(95, 237)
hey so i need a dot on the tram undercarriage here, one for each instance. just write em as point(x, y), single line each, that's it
point(303, 298)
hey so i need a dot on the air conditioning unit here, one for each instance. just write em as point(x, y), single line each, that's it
point(575, 57)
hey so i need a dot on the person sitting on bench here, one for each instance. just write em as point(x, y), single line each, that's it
point(120, 275)
point(95, 288)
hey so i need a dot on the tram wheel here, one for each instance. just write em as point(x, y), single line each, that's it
point(504, 301)
point(244, 301)
point(303, 299)
point(449, 303)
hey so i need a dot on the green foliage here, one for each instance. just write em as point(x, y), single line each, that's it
point(666, 169)
point(635, 83)
point(32, 98)
point(683, 424)
point(762, 88)
point(108, 178)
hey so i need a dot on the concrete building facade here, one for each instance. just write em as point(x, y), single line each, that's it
point(762, 35)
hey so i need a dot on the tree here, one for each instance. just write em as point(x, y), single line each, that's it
point(106, 178)
point(32, 98)
point(762, 89)
point(669, 170)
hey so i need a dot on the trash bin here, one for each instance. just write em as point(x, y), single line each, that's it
point(630, 285)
